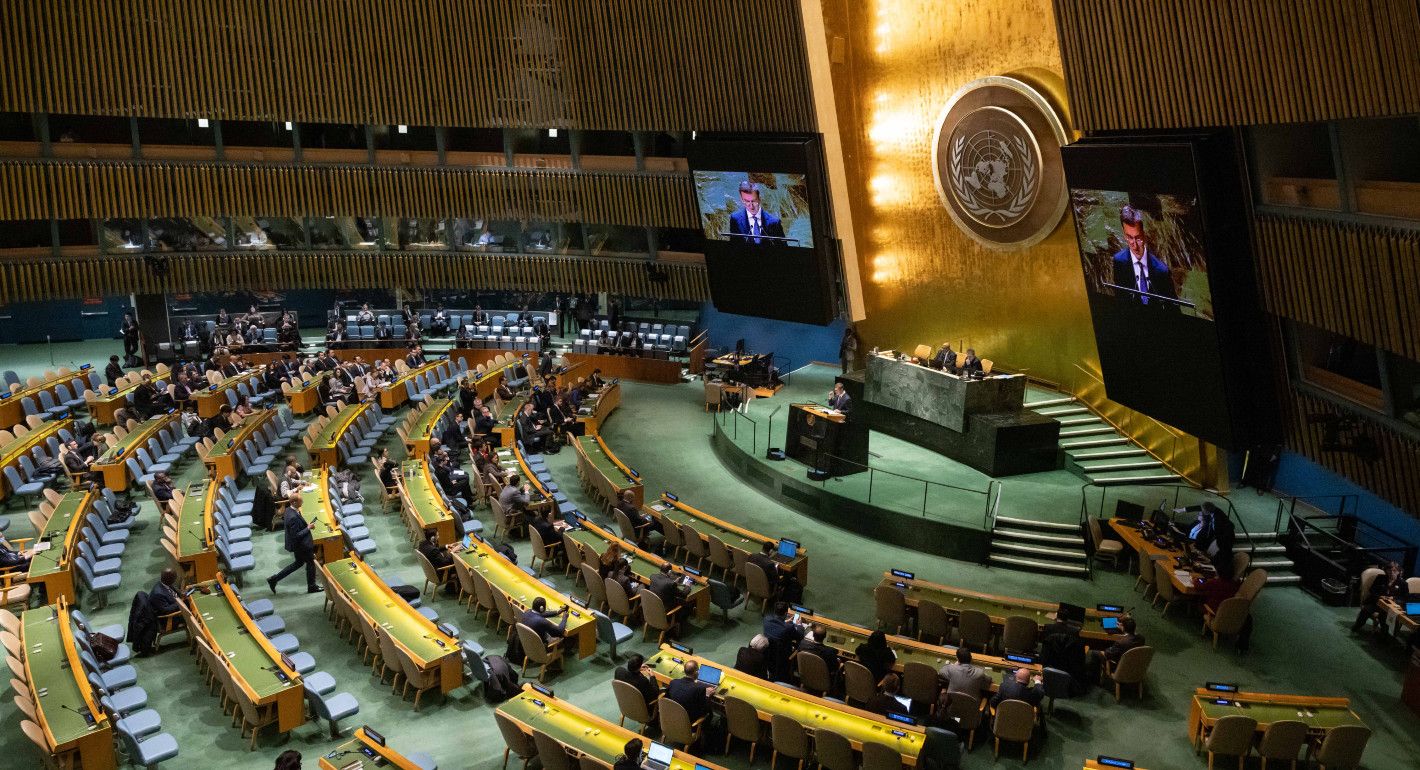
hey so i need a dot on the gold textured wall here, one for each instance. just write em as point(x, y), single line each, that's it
point(924, 280)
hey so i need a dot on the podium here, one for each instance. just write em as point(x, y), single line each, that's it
point(826, 441)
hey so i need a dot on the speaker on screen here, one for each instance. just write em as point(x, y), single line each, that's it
point(769, 246)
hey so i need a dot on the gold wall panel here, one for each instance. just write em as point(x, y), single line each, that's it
point(1134, 64)
point(103, 189)
point(1362, 281)
point(37, 280)
point(629, 65)
point(924, 280)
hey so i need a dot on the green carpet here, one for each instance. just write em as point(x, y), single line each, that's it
point(1299, 647)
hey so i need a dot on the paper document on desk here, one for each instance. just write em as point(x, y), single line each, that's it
point(659, 508)
point(1183, 575)
point(41, 547)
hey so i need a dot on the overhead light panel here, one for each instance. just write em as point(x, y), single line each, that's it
point(403, 129)
point(202, 123)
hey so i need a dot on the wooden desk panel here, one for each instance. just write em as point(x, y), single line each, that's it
point(53, 568)
point(256, 666)
point(51, 658)
point(395, 394)
point(305, 398)
point(655, 370)
point(422, 501)
point(429, 648)
point(954, 600)
point(12, 408)
point(421, 430)
point(857, 725)
point(736, 538)
point(209, 402)
point(326, 443)
point(581, 731)
point(599, 406)
point(354, 749)
point(111, 462)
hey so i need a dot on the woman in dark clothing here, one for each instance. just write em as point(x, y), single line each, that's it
point(876, 655)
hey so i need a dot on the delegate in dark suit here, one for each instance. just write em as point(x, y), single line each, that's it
point(741, 228)
point(691, 694)
point(301, 546)
point(1158, 281)
point(537, 619)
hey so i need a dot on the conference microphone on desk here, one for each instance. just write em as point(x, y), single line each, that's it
point(88, 717)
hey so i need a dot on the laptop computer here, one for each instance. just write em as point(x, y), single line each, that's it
point(1412, 609)
point(787, 550)
point(1128, 511)
point(709, 675)
point(1071, 612)
point(658, 757)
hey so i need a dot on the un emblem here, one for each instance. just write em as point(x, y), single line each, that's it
point(996, 163)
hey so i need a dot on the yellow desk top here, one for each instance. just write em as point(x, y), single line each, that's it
point(579, 730)
point(52, 663)
point(10, 452)
point(412, 631)
point(421, 494)
point(195, 519)
point(367, 752)
point(423, 426)
point(103, 395)
point(857, 725)
point(62, 534)
point(138, 437)
point(519, 586)
point(315, 503)
point(256, 665)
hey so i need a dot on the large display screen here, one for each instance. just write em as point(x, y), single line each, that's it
point(1144, 248)
point(769, 245)
point(755, 208)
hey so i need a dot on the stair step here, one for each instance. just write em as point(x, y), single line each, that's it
point(1097, 429)
point(1261, 549)
point(1271, 564)
point(1055, 525)
point(1157, 478)
point(1039, 537)
point(1080, 419)
point(1063, 554)
point(1284, 580)
point(1061, 411)
point(1061, 401)
point(1017, 561)
point(1125, 465)
point(1091, 443)
point(1109, 454)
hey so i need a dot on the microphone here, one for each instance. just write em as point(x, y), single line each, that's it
point(88, 718)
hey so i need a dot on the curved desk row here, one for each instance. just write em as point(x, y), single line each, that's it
point(53, 567)
point(65, 705)
point(670, 509)
point(954, 600)
point(607, 474)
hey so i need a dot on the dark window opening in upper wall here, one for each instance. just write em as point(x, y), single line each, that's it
point(192, 133)
point(86, 129)
point(19, 127)
point(411, 138)
point(607, 143)
point(255, 133)
point(25, 234)
point(77, 232)
point(677, 239)
point(1339, 364)
point(332, 136)
point(1404, 388)
point(474, 140)
point(541, 141)
point(667, 144)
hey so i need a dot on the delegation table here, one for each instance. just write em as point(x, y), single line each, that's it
point(954, 600)
point(422, 429)
point(429, 648)
point(671, 509)
point(325, 445)
point(108, 401)
point(521, 588)
point(53, 568)
point(209, 400)
point(64, 702)
point(581, 731)
point(316, 507)
point(1141, 539)
point(10, 452)
point(1317, 713)
point(111, 462)
point(608, 474)
point(257, 668)
point(814, 713)
point(12, 409)
point(196, 552)
point(363, 751)
point(305, 397)
point(424, 505)
point(598, 406)
point(645, 564)
point(221, 460)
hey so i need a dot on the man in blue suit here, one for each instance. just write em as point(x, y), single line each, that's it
point(753, 220)
point(1135, 267)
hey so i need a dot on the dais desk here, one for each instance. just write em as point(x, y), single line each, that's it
point(1184, 580)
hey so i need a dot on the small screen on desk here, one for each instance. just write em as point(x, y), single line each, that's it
point(1110, 624)
point(903, 718)
point(904, 574)
point(1412, 608)
point(1021, 658)
point(1221, 687)
point(1109, 608)
point(374, 737)
point(672, 498)
point(1113, 762)
point(661, 754)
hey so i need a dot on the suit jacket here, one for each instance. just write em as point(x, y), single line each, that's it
point(111, 373)
point(782, 630)
point(753, 662)
point(298, 533)
point(967, 678)
point(971, 364)
point(1013, 690)
point(843, 403)
point(163, 599)
point(946, 358)
point(645, 684)
point(1160, 279)
point(768, 223)
point(667, 587)
point(513, 499)
point(1122, 644)
point(539, 622)
point(690, 694)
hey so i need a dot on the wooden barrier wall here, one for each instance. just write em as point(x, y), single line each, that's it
point(1361, 281)
point(632, 65)
point(1137, 64)
point(1394, 475)
point(42, 189)
point(35, 280)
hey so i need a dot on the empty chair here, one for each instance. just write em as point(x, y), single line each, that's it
point(1230, 618)
point(933, 625)
point(515, 740)
point(858, 683)
point(148, 751)
point(919, 681)
point(742, 722)
point(974, 626)
point(1281, 741)
point(891, 608)
point(1231, 736)
point(551, 754)
point(1163, 586)
point(611, 632)
point(1342, 747)
point(1015, 721)
point(332, 707)
point(833, 751)
point(788, 738)
point(1104, 550)
point(1019, 634)
point(880, 756)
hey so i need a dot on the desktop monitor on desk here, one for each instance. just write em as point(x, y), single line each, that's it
point(1128, 511)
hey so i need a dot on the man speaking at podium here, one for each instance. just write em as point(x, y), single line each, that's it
point(838, 400)
point(1135, 267)
point(753, 220)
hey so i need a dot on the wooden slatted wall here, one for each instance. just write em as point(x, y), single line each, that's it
point(593, 64)
point(104, 189)
point(1394, 475)
point(29, 281)
point(1357, 280)
point(1132, 64)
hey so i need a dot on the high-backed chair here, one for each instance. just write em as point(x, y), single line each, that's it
point(1133, 668)
point(742, 722)
point(675, 723)
point(1281, 741)
point(1229, 619)
point(1015, 721)
point(890, 606)
point(515, 740)
point(1231, 736)
point(975, 629)
point(632, 705)
point(537, 651)
point(789, 738)
point(1342, 747)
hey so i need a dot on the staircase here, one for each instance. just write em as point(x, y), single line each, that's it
point(1039, 546)
point(1270, 555)
point(1095, 451)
